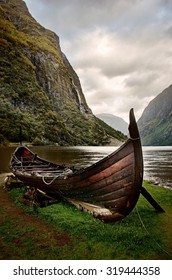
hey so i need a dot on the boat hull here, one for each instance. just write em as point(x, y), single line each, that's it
point(113, 184)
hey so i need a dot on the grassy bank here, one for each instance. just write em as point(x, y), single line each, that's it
point(144, 234)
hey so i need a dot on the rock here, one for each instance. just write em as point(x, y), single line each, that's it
point(155, 122)
point(40, 90)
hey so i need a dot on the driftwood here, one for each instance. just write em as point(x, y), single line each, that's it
point(35, 197)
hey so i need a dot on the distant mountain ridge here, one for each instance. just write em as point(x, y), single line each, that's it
point(155, 124)
point(115, 122)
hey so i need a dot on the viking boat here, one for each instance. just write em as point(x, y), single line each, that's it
point(108, 189)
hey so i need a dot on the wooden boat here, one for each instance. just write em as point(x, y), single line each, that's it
point(109, 189)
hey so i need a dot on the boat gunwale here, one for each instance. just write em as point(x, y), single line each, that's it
point(79, 171)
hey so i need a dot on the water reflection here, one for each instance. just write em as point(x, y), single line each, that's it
point(158, 164)
point(5, 154)
point(157, 160)
point(81, 156)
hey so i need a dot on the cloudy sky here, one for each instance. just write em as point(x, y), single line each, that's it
point(120, 49)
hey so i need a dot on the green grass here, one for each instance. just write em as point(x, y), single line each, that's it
point(144, 234)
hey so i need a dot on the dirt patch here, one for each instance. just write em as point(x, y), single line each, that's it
point(23, 229)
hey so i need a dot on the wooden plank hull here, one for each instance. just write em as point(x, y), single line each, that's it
point(109, 189)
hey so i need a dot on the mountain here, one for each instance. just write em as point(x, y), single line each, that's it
point(39, 89)
point(155, 124)
point(115, 122)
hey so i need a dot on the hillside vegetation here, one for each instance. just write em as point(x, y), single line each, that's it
point(39, 90)
point(155, 123)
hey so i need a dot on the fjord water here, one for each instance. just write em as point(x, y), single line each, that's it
point(157, 160)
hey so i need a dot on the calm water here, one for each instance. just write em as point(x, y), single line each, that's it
point(157, 160)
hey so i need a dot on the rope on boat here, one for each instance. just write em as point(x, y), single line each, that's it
point(49, 183)
point(143, 225)
point(63, 175)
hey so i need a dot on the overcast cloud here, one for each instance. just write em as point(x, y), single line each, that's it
point(120, 49)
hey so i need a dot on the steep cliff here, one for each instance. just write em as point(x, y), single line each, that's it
point(155, 123)
point(39, 89)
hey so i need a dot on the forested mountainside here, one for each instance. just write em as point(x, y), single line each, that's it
point(39, 89)
point(115, 122)
point(155, 123)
